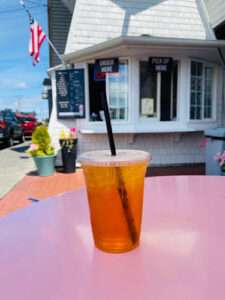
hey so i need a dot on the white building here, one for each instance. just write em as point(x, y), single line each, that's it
point(164, 113)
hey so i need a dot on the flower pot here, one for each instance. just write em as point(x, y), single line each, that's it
point(69, 156)
point(45, 164)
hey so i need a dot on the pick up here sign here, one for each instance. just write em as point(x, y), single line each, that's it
point(160, 64)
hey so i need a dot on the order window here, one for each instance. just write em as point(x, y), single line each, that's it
point(116, 87)
point(201, 91)
point(158, 90)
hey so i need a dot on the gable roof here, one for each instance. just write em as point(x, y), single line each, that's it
point(97, 21)
point(216, 11)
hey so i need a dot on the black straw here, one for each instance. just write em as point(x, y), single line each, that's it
point(119, 178)
point(108, 124)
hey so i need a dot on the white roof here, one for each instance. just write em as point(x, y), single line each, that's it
point(97, 21)
point(216, 11)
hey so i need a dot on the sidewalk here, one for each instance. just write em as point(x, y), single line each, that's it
point(36, 187)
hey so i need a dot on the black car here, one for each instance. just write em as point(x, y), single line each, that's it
point(10, 128)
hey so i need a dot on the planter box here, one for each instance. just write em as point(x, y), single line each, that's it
point(69, 156)
point(45, 164)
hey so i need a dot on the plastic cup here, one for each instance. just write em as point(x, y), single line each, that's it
point(115, 187)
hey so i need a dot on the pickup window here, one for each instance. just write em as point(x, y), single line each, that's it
point(9, 116)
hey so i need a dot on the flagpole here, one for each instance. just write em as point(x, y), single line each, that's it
point(50, 43)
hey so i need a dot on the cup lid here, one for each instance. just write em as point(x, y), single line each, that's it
point(122, 158)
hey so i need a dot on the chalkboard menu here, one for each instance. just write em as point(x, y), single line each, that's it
point(70, 94)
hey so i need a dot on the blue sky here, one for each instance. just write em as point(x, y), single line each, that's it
point(20, 82)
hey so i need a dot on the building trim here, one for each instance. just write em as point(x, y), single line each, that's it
point(141, 41)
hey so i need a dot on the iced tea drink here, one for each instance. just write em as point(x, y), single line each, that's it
point(115, 195)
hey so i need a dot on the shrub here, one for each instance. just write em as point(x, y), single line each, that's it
point(41, 142)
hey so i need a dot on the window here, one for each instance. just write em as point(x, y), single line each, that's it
point(116, 87)
point(201, 91)
point(148, 92)
point(118, 93)
point(158, 88)
point(8, 116)
point(27, 119)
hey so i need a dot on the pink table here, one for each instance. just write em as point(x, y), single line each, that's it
point(47, 252)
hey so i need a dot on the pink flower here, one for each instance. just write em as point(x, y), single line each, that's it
point(33, 147)
point(217, 157)
point(220, 158)
point(221, 162)
point(204, 142)
point(73, 130)
point(52, 145)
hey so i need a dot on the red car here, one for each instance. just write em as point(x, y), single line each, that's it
point(28, 123)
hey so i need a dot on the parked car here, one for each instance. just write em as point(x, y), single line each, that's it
point(28, 123)
point(10, 128)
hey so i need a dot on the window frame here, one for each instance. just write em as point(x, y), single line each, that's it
point(129, 108)
point(126, 62)
point(202, 120)
point(158, 95)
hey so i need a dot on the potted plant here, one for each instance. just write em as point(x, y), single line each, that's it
point(69, 150)
point(42, 151)
point(220, 158)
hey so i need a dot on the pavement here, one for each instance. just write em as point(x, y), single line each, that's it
point(33, 187)
point(15, 163)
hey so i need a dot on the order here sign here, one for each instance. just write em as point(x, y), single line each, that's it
point(109, 65)
point(160, 64)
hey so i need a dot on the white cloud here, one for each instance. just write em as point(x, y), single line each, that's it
point(13, 84)
point(21, 85)
point(27, 104)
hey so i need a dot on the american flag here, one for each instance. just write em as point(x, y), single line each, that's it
point(37, 38)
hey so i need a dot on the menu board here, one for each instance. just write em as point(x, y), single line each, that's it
point(70, 95)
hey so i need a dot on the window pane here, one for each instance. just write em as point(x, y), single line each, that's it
point(209, 112)
point(199, 69)
point(193, 83)
point(148, 91)
point(122, 113)
point(198, 112)
point(208, 92)
point(199, 96)
point(112, 100)
point(113, 114)
point(208, 72)
point(199, 84)
point(122, 101)
point(192, 112)
point(174, 89)
point(196, 90)
point(8, 116)
point(118, 92)
point(193, 68)
point(192, 98)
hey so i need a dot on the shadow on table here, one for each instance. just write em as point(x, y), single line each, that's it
point(20, 149)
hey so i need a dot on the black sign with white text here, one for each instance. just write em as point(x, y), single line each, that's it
point(70, 94)
point(109, 65)
point(160, 64)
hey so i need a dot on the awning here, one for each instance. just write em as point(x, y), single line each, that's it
point(147, 45)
